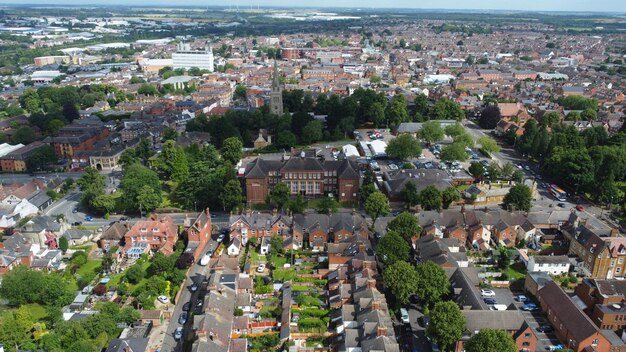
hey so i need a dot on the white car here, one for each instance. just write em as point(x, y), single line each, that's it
point(487, 293)
point(260, 268)
point(163, 299)
point(178, 334)
point(404, 315)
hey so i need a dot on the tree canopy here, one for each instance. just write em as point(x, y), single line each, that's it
point(406, 225)
point(446, 324)
point(432, 282)
point(392, 248)
point(376, 205)
point(491, 340)
point(403, 147)
point(401, 278)
point(519, 197)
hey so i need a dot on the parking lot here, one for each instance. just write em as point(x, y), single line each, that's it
point(534, 319)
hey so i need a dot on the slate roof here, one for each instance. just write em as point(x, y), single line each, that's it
point(260, 168)
point(125, 345)
point(509, 320)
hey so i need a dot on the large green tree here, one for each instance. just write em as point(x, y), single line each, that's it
point(312, 132)
point(491, 340)
point(489, 145)
point(410, 194)
point(447, 324)
point(431, 198)
point(519, 197)
point(279, 195)
point(392, 248)
point(454, 152)
point(91, 185)
point(454, 130)
point(376, 205)
point(132, 185)
point(396, 111)
point(232, 149)
point(232, 195)
point(448, 196)
point(432, 283)
point(403, 147)
point(401, 278)
point(446, 109)
point(431, 132)
point(406, 225)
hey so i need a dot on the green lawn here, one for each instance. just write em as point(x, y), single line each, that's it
point(89, 267)
point(278, 261)
point(37, 311)
point(515, 274)
point(256, 257)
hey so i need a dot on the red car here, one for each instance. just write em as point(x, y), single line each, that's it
point(580, 207)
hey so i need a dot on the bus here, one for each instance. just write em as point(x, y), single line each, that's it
point(558, 193)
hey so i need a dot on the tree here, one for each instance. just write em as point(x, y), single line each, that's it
point(446, 109)
point(421, 104)
point(327, 205)
point(431, 198)
point(241, 92)
point(147, 89)
point(133, 183)
point(276, 245)
point(232, 195)
point(403, 147)
point(103, 203)
point(550, 119)
point(447, 324)
point(184, 261)
point(279, 195)
point(432, 282)
point(454, 151)
point(148, 199)
point(286, 139)
point(491, 340)
point(297, 205)
point(406, 225)
point(392, 248)
point(23, 135)
point(63, 244)
point(170, 134)
point(396, 112)
point(431, 131)
point(40, 158)
point(401, 278)
point(312, 132)
point(489, 117)
point(410, 195)
point(448, 196)
point(454, 130)
point(232, 149)
point(489, 145)
point(476, 169)
point(91, 184)
point(519, 197)
point(376, 205)
point(589, 114)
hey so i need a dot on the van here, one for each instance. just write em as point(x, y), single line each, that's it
point(499, 306)
point(404, 315)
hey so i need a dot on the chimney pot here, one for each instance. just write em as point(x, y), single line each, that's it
point(371, 283)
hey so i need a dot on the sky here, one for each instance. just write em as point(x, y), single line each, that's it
point(524, 5)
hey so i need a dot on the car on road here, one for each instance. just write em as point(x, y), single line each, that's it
point(490, 300)
point(187, 306)
point(545, 328)
point(529, 307)
point(182, 318)
point(163, 299)
point(260, 268)
point(199, 306)
point(178, 333)
point(487, 293)
point(193, 287)
point(220, 237)
point(75, 210)
point(521, 298)
point(77, 223)
point(579, 207)
point(404, 315)
point(88, 218)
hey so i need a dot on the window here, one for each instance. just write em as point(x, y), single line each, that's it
point(620, 261)
point(527, 335)
point(143, 229)
point(156, 229)
point(618, 269)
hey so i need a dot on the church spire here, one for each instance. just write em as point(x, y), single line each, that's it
point(275, 82)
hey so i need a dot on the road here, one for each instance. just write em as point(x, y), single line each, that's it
point(197, 274)
point(10, 178)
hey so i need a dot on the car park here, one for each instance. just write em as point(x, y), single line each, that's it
point(178, 333)
point(182, 318)
point(487, 293)
point(163, 299)
point(404, 315)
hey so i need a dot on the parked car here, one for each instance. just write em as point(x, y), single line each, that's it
point(579, 207)
point(490, 300)
point(187, 306)
point(182, 319)
point(220, 237)
point(75, 210)
point(404, 315)
point(260, 268)
point(88, 218)
point(545, 328)
point(424, 321)
point(163, 299)
point(487, 293)
point(529, 307)
point(521, 298)
point(77, 223)
point(178, 334)
point(194, 287)
point(561, 205)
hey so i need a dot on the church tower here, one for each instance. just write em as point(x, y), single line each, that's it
point(276, 103)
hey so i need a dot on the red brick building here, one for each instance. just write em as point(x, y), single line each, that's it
point(199, 233)
point(77, 137)
point(159, 233)
point(511, 321)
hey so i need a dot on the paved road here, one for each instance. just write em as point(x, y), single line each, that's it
point(419, 342)
point(10, 178)
point(197, 274)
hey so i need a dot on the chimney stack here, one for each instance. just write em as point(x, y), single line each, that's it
point(274, 212)
point(375, 305)
point(614, 232)
point(248, 212)
point(371, 283)
point(381, 331)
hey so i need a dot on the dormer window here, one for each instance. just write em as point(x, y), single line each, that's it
point(156, 229)
point(143, 229)
point(622, 251)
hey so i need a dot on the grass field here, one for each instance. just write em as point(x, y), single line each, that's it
point(90, 267)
